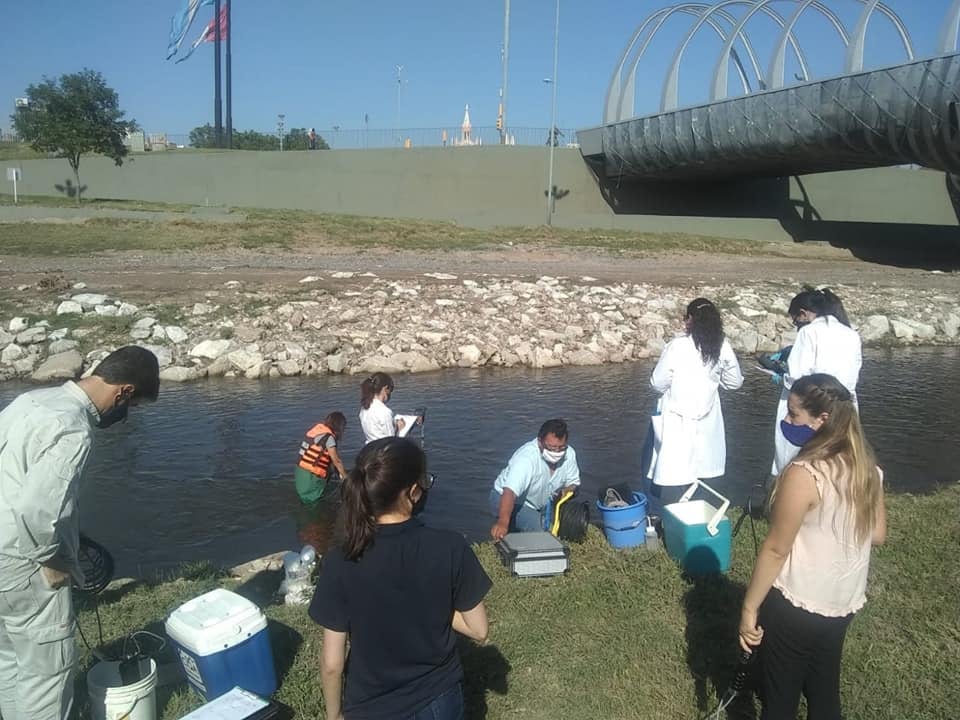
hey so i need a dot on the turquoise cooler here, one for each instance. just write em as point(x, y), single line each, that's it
point(698, 534)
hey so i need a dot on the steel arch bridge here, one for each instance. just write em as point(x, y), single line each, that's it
point(859, 118)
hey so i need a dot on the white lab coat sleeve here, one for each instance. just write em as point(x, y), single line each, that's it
point(803, 357)
point(731, 377)
point(662, 376)
point(573, 473)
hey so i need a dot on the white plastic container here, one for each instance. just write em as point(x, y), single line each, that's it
point(222, 641)
point(110, 699)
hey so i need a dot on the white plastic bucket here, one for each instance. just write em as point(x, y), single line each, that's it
point(110, 699)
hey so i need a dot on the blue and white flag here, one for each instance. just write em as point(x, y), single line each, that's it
point(180, 24)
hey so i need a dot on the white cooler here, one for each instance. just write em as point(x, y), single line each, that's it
point(222, 641)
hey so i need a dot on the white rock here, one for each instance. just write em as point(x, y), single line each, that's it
point(874, 328)
point(950, 323)
point(32, 335)
point(336, 363)
point(307, 279)
point(144, 323)
point(232, 284)
point(140, 333)
point(380, 363)
point(64, 366)
point(89, 300)
point(25, 364)
point(5, 338)
point(445, 302)
point(344, 275)
point(126, 309)
point(544, 357)
point(245, 360)
point(469, 355)
point(164, 354)
point(61, 346)
point(176, 334)
point(58, 334)
point(79, 286)
point(177, 373)
point(583, 357)
point(288, 368)
point(107, 310)
point(295, 351)
point(11, 353)
point(440, 275)
point(902, 329)
point(210, 349)
point(18, 324)
point(158, 333)
point(69, 307)
point(431, 337)
point(924, 331)
point(203, 308)
point(247, 334)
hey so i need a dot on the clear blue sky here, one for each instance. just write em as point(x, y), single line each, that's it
point(329, 63)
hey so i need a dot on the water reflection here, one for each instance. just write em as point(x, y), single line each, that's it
point(207, 472)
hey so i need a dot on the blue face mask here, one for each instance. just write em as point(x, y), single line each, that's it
point(118, 413)
point(798, 435)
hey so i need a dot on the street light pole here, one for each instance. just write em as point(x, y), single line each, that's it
point(399, 85)
point(552, 138)
point(280, 118)
point(506, 63)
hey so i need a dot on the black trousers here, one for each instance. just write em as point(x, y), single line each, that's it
point(800, 653)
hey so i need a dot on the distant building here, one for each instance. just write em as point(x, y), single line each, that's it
point(466, 138)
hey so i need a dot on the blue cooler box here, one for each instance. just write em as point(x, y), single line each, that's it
point(222, 641)
point(697, 534)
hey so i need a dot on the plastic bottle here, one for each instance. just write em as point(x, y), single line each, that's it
point(650, 540)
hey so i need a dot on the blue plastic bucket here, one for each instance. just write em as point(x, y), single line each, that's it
point(625, 518)
point(632, 537)
point(624, 527)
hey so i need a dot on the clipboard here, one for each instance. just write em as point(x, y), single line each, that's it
point(237, 704)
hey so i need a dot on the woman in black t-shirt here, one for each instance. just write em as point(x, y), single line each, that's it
point(400, 590)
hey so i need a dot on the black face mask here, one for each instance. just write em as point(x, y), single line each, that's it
point(118, 413)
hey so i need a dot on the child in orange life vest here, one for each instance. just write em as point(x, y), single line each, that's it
point(318, 452)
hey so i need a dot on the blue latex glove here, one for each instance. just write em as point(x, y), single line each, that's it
point(776, 379)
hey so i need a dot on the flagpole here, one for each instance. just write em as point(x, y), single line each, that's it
point(217, 105)
point(229, 79)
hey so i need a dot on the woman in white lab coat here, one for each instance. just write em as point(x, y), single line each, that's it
point(825, 344)
point(689, 439)
point(376, 419)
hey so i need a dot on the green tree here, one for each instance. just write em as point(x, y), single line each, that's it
point(203, 137)
point(77, 114)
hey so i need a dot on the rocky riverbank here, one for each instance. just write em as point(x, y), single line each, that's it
point(345, 322)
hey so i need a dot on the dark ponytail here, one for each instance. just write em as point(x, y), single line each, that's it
point(820, 302)
point(706, 329)
point(384, 469)
point(337, 422)
point(372, 386)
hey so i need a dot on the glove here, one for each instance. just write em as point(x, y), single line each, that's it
point(776, 379)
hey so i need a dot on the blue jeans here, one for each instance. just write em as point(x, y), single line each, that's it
point(448, 705)
point(524, 517)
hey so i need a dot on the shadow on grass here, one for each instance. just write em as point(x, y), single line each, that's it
point(712, 605)
point(485, 669)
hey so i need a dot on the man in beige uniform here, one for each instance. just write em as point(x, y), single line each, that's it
point(45, 439)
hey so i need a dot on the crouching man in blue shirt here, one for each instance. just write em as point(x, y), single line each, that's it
point(537, 471)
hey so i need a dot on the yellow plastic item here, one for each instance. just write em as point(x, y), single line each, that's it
point(555, 526)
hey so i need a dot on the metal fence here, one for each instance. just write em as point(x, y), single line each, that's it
point(362, 138)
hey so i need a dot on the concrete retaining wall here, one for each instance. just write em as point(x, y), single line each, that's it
point(489, 186)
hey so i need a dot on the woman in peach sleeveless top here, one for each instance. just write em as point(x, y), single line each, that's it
point(810, 577)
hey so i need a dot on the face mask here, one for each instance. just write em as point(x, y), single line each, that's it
point(118, 413)
point(798, 435)
point(553, 456)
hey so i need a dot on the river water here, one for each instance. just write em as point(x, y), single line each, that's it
point(206, 472)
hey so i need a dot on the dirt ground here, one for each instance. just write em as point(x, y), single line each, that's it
point(185, 276)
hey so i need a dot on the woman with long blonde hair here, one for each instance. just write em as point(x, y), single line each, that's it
point(810, 578)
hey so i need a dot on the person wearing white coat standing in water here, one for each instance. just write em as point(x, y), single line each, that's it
point(825, 344)
point(376, 419)
point(689, 438)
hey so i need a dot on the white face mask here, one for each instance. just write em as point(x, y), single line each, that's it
point(553, 456)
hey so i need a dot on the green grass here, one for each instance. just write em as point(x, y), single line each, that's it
point(286, 229)
point(95, 203)
point(625, 635)
point(17, 151)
